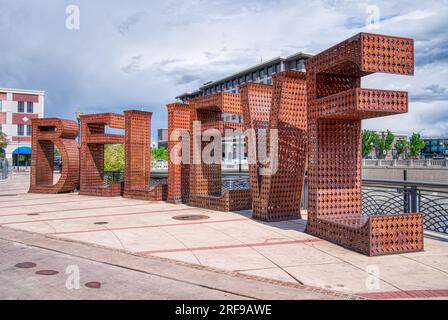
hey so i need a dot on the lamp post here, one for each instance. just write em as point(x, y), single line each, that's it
point(443, 148)
point(78, 115)
point(18, 153)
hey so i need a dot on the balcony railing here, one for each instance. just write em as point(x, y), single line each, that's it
point(406, 163)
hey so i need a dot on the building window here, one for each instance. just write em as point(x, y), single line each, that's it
point(269, 71)
point(262, 73)
point(277, 67)
point(20, 130)
point(21, 106)
point(269, 81)
point(29, 107)
point(300, 65)
point(248, 78)
point(1, 106)
point(29, 130)
point(254, 76)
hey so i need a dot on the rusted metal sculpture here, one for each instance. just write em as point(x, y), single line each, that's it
point(336, 105)
point(205, 178)
point(48, 133)
point(178, 171)
point(277, 112)
point(93, 139)
point(137, 181)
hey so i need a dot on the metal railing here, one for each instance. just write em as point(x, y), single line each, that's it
point(405, 163)
point(118, 176)
point(398, 196)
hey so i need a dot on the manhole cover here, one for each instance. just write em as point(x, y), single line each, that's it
point(47, 272)
point(101, 222)
point(93, 284)
point(33, 214)
point(191, 217)
point(25, 265)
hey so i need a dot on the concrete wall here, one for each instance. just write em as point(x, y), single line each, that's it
point(417, 174)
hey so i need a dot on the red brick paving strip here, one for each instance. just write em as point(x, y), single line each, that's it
point(96, 216)
point(49, 203)
point(59, 196)
point(73, 209)
point(409, 294)
point(150, 226)
point(230, 246)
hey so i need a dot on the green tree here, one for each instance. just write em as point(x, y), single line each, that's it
point(385, 143)
point(114, 157)
point(3, 141)
point(402, 145)
point(159, 154)
point(56, 152)
point(416, 144)
point(369, 142)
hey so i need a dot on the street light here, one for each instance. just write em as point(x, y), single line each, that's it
point(18, 153)
point(442, 144)
point(78, 115)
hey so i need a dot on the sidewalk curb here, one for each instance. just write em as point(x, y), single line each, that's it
point(250, 286)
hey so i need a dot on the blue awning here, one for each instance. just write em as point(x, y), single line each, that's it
point(22, 150)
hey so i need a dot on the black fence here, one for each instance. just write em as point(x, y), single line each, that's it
point(394, 197)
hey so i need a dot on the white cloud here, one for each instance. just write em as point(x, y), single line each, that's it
point(144, 53)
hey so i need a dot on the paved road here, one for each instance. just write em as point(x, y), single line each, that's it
point(121, 275)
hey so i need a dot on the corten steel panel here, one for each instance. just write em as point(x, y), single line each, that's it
point(46, 134)
point(280, 107)
point(223, 102)
point(336, 105)
point(93, 139)
point(2, 117)
point(205, 179)
point(2, 96)
point(178, 173)
point(137, 182)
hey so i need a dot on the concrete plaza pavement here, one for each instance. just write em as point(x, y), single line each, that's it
point(227, 243)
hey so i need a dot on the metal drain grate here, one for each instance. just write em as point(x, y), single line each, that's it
point(101, 222)
point(25, 265)
point(47, 272)
point(93, 285)
point(190, 217)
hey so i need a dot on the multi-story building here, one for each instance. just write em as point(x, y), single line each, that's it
point(162, 138)
point(435, 148)
point(260, 73)
point(233, 149)
point(17, 108)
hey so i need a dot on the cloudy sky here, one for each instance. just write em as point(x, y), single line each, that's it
point(141, 54)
